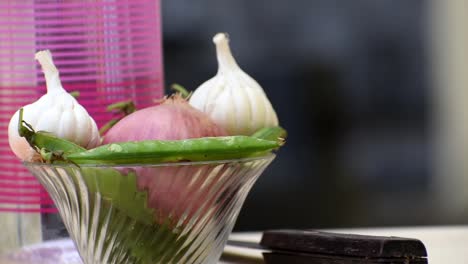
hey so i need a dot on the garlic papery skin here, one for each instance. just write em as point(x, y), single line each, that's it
point(56, 112)
point(232, 98)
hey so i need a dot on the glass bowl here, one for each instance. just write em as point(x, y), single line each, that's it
point(160, 213)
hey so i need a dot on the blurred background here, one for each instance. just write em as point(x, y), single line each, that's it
point(371, 92)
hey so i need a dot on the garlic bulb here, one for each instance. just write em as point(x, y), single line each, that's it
point(57, 112)
point(232, 98)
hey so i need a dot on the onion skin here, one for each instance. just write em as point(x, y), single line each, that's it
point(173, 119)
point(167, 186)
point(177, 192)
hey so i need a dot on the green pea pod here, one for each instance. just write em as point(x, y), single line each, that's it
point(271, 133)
point(45, 141)
point(49, 142)
point(157, 151)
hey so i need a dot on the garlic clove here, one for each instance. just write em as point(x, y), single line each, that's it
point(204, 98)
point(243, 110)
point(86, 127)
point(48, 121)
point(67, 117)
point(232, 98)
point(224, 100)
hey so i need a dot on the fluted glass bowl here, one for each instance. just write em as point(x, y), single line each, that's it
point(159, 213)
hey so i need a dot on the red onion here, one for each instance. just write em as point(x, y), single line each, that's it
point(170, 188)
point(171, 120)
point(178, 192)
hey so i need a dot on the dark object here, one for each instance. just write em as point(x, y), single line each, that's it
point(300, 246)
point(302, 258)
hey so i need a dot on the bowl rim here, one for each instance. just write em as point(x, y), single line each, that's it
point(268, 156)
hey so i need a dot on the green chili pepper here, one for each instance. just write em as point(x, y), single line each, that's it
point(156, 151)
point(45, 142)
point(271, 133)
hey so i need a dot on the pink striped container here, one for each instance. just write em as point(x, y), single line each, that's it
point(108, 50)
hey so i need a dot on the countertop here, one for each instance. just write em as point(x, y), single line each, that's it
point(445, 245)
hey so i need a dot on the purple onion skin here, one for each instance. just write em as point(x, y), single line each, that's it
point(172, 190)
point(174, 119)
point(175, 192)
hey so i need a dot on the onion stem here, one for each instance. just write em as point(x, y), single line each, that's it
point(181, 90)
point(123, 108)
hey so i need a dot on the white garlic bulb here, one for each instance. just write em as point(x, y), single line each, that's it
point(232, 98)
point(57, 112)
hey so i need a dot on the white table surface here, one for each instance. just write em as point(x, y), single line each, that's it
point(444, 244)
